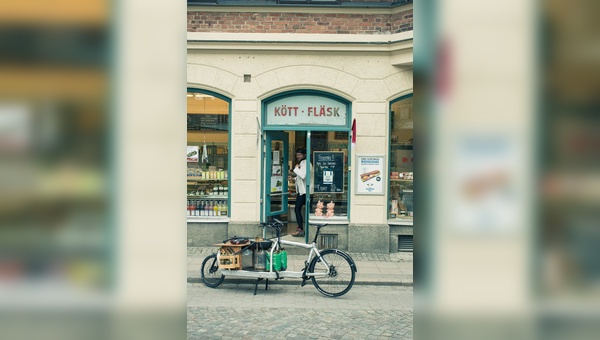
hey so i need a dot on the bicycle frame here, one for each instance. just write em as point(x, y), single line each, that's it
point(313, 252)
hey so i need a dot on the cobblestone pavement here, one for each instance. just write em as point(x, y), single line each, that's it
point(231, 311)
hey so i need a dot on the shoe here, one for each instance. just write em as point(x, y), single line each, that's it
point(298, 233)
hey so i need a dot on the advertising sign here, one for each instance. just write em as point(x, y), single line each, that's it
point(306, 110)
point(193, 154)
point(369, 175)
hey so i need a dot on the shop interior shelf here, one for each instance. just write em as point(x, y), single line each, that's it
point(208, 196)
point(200, 179)
point(405, 146)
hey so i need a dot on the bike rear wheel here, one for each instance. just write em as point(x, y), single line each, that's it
point(340, 276)
point(210, 271)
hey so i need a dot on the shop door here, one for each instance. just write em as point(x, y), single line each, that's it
point(276, 173)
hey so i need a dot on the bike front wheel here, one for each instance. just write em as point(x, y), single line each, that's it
point(210, 271)
point(339, 277)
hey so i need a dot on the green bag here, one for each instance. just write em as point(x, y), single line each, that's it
point(283, 256)
point(276, 261)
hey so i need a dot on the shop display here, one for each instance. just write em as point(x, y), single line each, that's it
point(330, 209)
point(401, 175)
point(319, 209)
point(208, 192)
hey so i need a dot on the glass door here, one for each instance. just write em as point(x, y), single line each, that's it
point(276, 173)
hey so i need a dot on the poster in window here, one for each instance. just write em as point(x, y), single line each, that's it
point(369, 175)
point(193, 154)
point(276, 184)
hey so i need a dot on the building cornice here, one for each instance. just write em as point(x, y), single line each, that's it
point(399, 45)
point(299, 41)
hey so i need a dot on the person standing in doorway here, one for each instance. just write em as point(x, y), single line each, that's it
point(300, 173)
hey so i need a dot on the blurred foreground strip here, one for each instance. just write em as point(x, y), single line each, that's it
point(55, 231)
point(59, 12)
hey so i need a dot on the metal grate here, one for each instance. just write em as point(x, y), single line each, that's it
point(405, 243)
point(328, 241)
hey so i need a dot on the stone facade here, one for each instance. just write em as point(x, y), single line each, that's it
point(351, 58)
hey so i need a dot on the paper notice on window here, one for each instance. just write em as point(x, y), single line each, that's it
point(327, 177)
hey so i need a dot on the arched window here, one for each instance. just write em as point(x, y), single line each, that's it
point(208, 142)
point(401, 160)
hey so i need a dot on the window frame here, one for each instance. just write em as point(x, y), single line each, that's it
point(229, 167)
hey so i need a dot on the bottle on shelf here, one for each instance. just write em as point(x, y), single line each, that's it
point(224, 208)
point(216, 209)
point(208, 209)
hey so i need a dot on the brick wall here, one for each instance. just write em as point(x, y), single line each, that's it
point(199, 21)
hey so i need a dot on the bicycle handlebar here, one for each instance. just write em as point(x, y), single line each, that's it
point(278, 224)
point(275, 224)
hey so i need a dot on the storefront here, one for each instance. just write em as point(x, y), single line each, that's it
point(318, 122)
point(251, 105)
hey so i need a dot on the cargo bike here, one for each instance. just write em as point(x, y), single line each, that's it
point(331, 271)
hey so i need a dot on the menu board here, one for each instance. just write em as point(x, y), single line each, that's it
point(208, 122)
point(328, 171)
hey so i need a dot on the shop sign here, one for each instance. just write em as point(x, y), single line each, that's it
point(192, 154)
point(369, 175)
point(306, 110)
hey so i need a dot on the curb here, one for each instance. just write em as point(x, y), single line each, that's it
point(298, 281)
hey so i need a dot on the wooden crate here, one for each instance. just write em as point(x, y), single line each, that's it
point(230, 261)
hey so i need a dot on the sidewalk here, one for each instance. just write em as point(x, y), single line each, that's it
point(394, 269)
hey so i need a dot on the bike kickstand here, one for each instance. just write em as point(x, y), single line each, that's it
point(256, 285)
point(267, 284)
point(304, 277)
